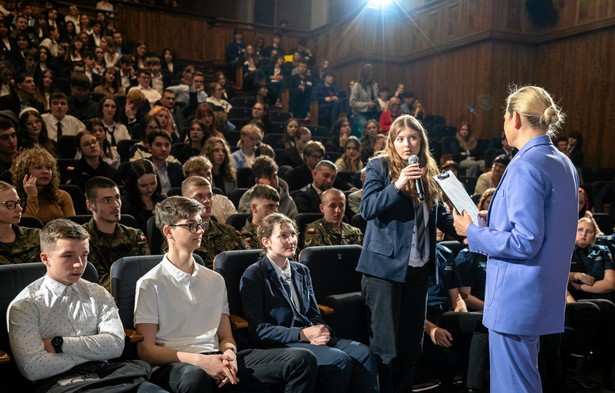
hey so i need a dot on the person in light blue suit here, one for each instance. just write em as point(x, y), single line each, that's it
point(529, 241)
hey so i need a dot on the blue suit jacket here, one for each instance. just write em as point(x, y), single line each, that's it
point(529, 241)
point(390, 223)
point(268, 308)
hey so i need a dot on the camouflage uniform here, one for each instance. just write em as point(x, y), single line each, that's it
point(106, 249)
point(321, 233)
point(248, 236)
point(218, 238)
point(25, 248)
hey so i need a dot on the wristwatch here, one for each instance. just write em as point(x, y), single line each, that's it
point(57, 343)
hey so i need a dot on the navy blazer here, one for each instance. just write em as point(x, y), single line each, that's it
point(390, 224)
point(268, 308)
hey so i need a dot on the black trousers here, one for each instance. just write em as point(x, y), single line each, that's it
point(470, 345)
point(294, 368)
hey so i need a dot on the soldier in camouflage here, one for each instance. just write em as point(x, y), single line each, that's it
point(330, 230)
point(217, 237)
point(109, 240)
point(264, 200)
point(17, 244)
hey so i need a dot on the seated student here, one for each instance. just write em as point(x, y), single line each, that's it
point(331, 230)
point(142, 192)
point(221, 206)
point(181, 308)
point(36, 177)
point(278, 301)
point(17, 244)
point(64, 330)
point(110, 240)
point(448, 324)
point(293, 156)
point(265, 171)
point(264, 200)
point(249, 139)
point(216, 237)
point(323, 177)
point(492, 178)
point(144, 78)
point(592, 279)
point(170, 173)
point(91, 163)
point(58, 122)
point(350, 161)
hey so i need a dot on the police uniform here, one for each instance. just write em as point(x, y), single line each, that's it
point(593, 260)
point(249, 239)
point(321, 233)
point(217, 238)
point(106, 249)
point(470, 339)
point(25, 248)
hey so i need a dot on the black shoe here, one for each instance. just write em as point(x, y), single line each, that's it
point(472, 390)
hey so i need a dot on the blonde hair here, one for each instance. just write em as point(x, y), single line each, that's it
point(483, 198)
point(537, 106)
point(396, 163)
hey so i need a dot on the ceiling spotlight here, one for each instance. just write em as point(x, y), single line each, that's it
point(378, 4)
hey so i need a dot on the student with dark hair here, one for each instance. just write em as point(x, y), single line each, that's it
point(142, 192)
point(23, 97)
point(110, 240)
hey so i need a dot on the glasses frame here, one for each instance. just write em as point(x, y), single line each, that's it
point(14, 204)
point(193, 227)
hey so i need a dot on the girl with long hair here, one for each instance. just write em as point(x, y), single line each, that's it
point(224, 174)
point(143, 192)
point(399, 248)
point(33, 133)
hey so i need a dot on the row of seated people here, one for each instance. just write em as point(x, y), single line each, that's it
point(314, 359)
point(117, 196)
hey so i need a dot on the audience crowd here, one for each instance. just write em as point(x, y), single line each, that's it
point(92, 123)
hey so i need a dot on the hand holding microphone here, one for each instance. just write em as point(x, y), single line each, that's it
point(412, 173)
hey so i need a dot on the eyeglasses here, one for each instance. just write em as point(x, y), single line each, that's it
point(11, 205)
point(193, 227)
point(91, 143)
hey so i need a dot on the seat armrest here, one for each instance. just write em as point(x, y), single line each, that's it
point(133, 335)
point(4, 357)
point(326, 310)
point(238, 322)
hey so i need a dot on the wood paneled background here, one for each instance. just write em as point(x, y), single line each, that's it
point(449, 52)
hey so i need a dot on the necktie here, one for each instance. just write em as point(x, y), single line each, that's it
point(420, 229)
point(111, 131)
point(298, 315)
point(59, 130)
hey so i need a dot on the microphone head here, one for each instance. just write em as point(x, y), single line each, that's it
point(413, 159)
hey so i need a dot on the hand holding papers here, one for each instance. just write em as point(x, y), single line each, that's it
point(455, 191)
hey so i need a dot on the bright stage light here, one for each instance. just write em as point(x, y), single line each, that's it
point(378, 4)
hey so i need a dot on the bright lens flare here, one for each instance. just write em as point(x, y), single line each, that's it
point(378, 4)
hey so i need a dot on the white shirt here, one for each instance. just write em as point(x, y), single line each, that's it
point(118, 130)
point(152, 95)
point(70, 125)
point(83, 314)
point(186, 307)
point(285, 275)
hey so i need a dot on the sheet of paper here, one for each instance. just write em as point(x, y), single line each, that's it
point(456, 193)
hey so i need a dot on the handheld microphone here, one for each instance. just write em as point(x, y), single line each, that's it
point(418, 183)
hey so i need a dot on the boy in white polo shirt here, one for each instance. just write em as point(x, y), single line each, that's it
point(181, 309)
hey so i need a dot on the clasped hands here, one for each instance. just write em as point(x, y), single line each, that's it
point(222, 368)
point(581, 278)
point(316, 335)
